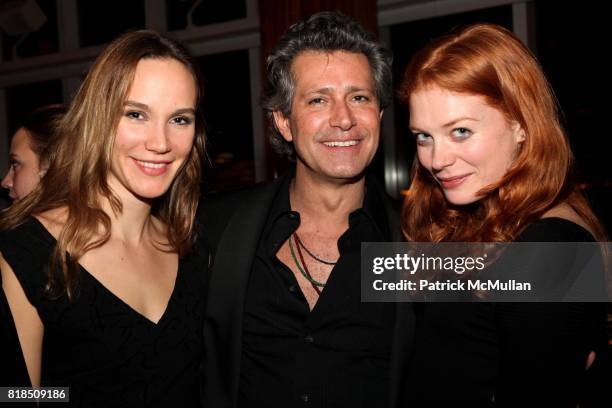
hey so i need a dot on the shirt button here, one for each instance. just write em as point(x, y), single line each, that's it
point(292, 216)
point(305, 397)
point(292, 288)
point(309, 339)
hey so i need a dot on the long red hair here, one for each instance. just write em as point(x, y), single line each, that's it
point(488, 60)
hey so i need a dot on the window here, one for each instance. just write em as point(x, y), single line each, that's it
point(40, 42)
point(571, 59)
point(204, 12)
point(227, 112)
point(102, 21)
point(22, 99)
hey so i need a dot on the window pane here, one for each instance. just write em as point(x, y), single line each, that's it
point(22, 99)
point(103, 21)
point(207, 12)
point(569, 58)
point(39, 42)
point(227, 111)
point(570, 45)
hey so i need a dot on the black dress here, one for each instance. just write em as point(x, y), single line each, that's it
point(507, 354)
point(107, 353)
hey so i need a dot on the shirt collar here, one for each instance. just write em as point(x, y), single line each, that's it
point(373, 204)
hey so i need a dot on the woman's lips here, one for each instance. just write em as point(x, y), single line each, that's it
point(152, 168)
point(452, 182)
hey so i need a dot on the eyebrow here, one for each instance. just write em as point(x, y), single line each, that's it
point(454, 121)
point(145, 107)
point(351, 88)
point(185, 110)
point(137, 105)
point(416, 129)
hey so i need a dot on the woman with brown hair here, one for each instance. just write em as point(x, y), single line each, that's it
point(28, 162)
point(494, 165)
point(100, 265)
point(29, 150)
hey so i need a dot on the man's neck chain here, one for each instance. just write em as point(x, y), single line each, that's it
point(302, 266)
point(313, 256)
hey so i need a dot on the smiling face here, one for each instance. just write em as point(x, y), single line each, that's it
point(156, 131)
point(462, 141)
point(24, 172)
point(335, 117)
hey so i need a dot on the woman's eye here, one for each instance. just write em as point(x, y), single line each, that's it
point(462, 133)
point(182, 120)
point(134, 115)
point(422, 138)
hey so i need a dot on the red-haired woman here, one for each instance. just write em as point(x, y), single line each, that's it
point(494, 166)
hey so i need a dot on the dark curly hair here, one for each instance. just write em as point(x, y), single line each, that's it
point(327, 32)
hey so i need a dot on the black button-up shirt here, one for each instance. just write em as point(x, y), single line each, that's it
point(336, 355)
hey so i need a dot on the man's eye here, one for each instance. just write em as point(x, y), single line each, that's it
point(361, 98)
point(316, 101)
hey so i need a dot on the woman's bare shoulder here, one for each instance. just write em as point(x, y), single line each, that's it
point(53, 220)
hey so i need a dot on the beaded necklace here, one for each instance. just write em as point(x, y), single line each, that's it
point(303, 268)
point(313, 256)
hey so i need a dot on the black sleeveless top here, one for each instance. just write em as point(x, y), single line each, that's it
point(105, 351)
point(507, 354)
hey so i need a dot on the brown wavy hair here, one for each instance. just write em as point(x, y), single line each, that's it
point(40, 125)
point(80, 161)
point(488, 60)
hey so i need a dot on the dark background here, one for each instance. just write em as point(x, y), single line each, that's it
point(570, 42)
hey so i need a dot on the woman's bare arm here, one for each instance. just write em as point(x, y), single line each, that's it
point(27, 322)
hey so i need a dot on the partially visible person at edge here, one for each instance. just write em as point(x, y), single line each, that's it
point(28, 162)
point(494, 165)
point(285, 325)
point(28, 155)
point(98, 264)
